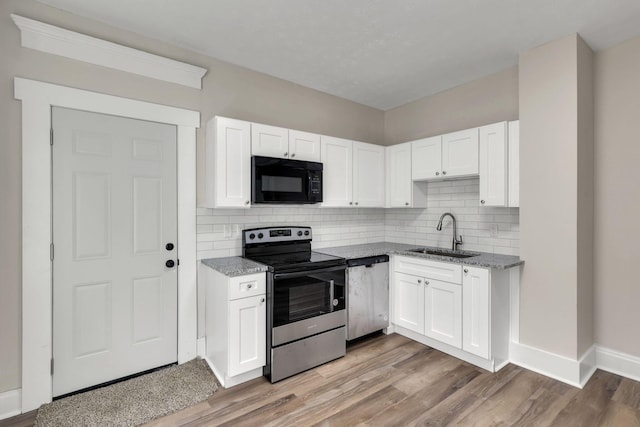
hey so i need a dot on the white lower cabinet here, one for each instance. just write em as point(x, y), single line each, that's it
point(235, 319)
point(460, 310)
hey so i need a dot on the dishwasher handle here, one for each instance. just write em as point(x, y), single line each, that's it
point(367, 261)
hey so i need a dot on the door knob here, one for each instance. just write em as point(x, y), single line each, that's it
point(169, 246)
point(170, 263)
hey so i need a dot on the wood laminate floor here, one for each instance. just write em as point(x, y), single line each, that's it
point(394, 381)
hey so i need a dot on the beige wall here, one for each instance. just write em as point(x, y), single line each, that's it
point(548, 197)
point(586, 195)
point(486, 100)
point(228, 90)
point(617, 207)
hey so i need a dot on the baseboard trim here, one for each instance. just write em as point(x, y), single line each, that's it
point(10, 403)
point(618, 363)
point(561, 368)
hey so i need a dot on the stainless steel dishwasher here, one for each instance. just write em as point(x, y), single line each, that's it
point(367, 295)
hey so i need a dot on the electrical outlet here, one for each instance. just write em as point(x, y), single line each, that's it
point(493, 230)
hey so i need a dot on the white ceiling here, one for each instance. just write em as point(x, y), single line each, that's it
point(381, 53)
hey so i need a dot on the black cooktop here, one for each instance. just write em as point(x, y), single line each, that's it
point(297, 261)
point(285, 249)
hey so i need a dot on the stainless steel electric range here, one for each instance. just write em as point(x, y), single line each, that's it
point(306, 314)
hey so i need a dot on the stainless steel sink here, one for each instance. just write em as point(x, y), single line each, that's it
point(443, 253)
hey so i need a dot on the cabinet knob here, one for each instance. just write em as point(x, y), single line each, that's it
point(356, 203)
point(465, 271)
point(293, 155)
point(419, 281)
point(482, 202)
point(170, 263)
point(426, 282)
point(437, 173)
point(406, 203)
point(444, 172)
point(246, 203)
point(249, 286)
point(286, 154)
point(351, 203)
point(261, 299)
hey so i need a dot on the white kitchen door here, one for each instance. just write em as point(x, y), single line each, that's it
point(114, 248)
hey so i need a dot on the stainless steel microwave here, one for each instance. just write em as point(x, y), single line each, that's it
point(285, 181)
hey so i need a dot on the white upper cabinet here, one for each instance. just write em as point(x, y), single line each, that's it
point(269, 141)
point(493, 164)
point(337, 173)
point(460, 153)
point(353, 173)
point(452, 155)
point(272, 141)
point(399, 183)
point(514, 163)
point(368, 175)
point(426, 161)
point(499, 164)
point(304, 146)
point(228, 163)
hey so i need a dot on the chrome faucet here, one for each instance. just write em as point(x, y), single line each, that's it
point(455, 242)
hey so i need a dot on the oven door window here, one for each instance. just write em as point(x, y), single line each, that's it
point(307, 296)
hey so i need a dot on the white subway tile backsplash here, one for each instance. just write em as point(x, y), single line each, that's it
point(218, 230)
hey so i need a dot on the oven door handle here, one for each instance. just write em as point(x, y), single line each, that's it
point(307, 272)
point(332, 284)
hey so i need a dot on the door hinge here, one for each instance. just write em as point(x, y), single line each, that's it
point(51, 251)
point(51, 136)
point(178, 261)
point(51, 366)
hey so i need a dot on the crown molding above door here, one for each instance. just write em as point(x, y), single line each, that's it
point(59, 41)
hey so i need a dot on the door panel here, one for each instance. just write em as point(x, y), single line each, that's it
point(444, 312)
point(114, 209)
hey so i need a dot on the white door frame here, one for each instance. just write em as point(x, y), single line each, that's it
point(37, 99)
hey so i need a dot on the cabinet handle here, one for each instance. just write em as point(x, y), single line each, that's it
point(465, 271)
point(482, 202)
point(419, 281)
point(293, 155)
point(437, 173)
point(426, 283)
point(351, 203)
point(261, 299)
point(249, 286)
point(286, 154)
point(406, 203)
point(356, 203)
point(444, 172)
point(246, 203)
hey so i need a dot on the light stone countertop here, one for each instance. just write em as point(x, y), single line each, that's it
point(234, 266)
point(238, 266)
point(482, 259)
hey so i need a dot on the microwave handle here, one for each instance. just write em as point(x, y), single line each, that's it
point(308, 185)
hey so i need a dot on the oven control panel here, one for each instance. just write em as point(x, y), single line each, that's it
point(276, 234)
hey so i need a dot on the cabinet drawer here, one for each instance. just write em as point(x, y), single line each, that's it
point(247, 286)
point(444, 271)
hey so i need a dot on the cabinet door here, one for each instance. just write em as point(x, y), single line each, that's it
point(476, 309)
point(426, 158)
point(408, 296)
point(304, 146)
point(269, 141)
point(460, 153)
point(493, 164)
point(247, 334)
point(368, 175)
point(514, 163)
point(337, 174)
point(228, 163)
point(443, 312)
point(399, 184)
